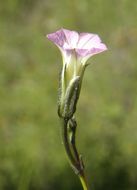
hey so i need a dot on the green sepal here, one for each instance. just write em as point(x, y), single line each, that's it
point(71, 97)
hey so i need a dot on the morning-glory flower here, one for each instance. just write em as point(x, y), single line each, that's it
point(84, 45)
point(76, 48)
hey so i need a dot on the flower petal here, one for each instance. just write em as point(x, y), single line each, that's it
point(84, 45)
point(87, 40)
point(64, 38)
point(83, 39)
point(71, 38)
point(85, 54)
point(57, 38)
point(93, 50)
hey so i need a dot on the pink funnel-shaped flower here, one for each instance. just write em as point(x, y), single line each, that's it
point(83, 45)
point(76, 48)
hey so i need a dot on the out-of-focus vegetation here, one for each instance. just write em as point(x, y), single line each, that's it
point(31, 154)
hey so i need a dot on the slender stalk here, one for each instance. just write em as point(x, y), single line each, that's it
point(83, 182)
point(67, 146)
point(74, 159)
point(72, 130)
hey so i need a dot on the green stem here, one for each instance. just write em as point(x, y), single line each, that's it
point(66, 145)
point(74, 159)
point(83, 182)
point(72, 131)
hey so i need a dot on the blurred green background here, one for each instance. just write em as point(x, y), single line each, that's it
point(32, 156)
